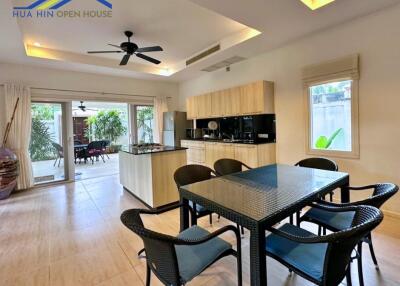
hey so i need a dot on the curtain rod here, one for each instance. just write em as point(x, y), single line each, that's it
point(92, 92)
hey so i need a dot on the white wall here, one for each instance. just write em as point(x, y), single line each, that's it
point(375, 38)
point(59, 79)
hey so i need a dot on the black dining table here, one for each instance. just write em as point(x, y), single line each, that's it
point(259, 198)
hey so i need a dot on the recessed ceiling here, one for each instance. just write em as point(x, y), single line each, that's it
point(184, 28)
point(179, 26)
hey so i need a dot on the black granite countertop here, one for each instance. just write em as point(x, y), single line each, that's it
point(150, 150)
point(229, 141)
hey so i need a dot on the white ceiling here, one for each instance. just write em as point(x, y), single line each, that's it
point(182, 27)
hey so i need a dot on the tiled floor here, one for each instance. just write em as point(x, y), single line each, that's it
point(71, 235)
point(45, 171)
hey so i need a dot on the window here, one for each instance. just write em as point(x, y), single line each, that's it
point(332, 108)
point(144, 123)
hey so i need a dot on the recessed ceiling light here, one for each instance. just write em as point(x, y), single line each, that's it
point(315, 4)
point(165, 72)
point(36, 44)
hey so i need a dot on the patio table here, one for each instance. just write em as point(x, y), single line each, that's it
point(259, 198)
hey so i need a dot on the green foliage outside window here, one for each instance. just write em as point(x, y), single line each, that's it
point(40, 147)
point(145, 116)
point(324, 143)
point(105, 125)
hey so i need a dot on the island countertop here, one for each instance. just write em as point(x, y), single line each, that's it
point(150, 150)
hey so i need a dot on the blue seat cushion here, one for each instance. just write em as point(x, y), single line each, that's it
point(199, 208)
point(335, 220)
point(194, 259)
point(306, 257)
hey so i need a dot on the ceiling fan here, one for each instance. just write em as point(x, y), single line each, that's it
point(132, 49)
point(82, 107)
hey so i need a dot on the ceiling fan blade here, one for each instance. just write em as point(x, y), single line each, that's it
point(116, 46)
point(125, 60)
point(147, 58)
point(103, 52)
point(149, 49)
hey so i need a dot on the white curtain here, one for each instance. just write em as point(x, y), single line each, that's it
point(20, 133)
point(160, 106)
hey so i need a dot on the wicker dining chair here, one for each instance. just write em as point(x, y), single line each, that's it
point(177, 260)
point(226, 166)
point(334, 221)
point(321, 164)
point(316, 163)
point(323, 260)
point(190, 174)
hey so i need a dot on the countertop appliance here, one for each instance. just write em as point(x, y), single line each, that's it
point(174, 130)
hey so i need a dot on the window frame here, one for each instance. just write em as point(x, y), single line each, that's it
point(355, 142)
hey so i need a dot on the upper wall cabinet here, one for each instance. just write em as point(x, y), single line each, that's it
point(253, 98)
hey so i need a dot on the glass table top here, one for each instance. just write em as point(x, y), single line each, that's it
point(262, 192)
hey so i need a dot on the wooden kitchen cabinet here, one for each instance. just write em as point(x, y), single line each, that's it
point(215, 151)
point(207, 153)
point(234, 99)
point(204, 104)
point(195, 152)
point(252, 98)
point(191, 107)
point(256, 97)
point(247, 154)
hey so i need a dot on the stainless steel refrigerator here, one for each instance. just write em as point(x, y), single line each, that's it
point(175, 124)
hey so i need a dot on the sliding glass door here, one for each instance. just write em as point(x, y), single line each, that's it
point(47, 146)
point(144, 116)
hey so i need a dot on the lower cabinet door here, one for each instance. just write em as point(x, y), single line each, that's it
point(247, 155)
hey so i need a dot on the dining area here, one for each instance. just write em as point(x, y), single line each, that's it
point(287, 213)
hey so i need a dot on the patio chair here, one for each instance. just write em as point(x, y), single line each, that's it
point(334, 221)
point(106, 145)
point(59, 153)
point(323, 260)
point(95, 150)
point(177, 260)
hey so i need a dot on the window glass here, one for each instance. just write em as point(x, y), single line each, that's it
point(330, 111)
point(145, 124)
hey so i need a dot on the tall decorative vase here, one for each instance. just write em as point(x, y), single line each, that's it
point(8, 172)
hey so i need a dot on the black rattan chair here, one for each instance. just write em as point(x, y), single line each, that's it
point(338, 221)
point(177, 260)
point(323, 260)
point(191, 174)
point(316, 163)
point(59, 153)
point(319, 163)
point(225, 167)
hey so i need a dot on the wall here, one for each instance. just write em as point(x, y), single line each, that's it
point(59, 79)
point(373, 37)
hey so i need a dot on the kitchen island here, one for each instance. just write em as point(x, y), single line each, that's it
point(147, 172)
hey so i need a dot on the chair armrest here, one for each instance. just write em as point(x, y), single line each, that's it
point(248, 167)
point(361, 188)
point(180, 241)
point(332, 207)
point(306, 239)
point(331, 204)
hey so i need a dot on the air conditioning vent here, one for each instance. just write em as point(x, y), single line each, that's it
point(223, 64)
point(203, 55)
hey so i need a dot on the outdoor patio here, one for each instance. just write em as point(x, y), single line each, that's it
point(45, 171)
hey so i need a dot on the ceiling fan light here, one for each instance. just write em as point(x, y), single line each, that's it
point(316, 4)
point(37, 44)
